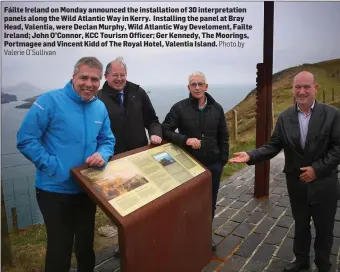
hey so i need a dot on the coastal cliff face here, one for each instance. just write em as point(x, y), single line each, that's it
point(7, 98)
point(28, 104)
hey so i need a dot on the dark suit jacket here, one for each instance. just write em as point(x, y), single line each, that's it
point(322, 150)
point(139, 114)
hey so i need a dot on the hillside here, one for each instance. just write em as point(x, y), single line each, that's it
point(29, 102)
point(327, 76)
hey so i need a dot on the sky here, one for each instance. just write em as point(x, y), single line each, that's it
point(304, 32)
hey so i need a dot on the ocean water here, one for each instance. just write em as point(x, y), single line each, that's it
point(17, 172)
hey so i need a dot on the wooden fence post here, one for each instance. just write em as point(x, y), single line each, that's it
point(234, 119)
point(323, 96)
point(6, 248)
point(15, 220)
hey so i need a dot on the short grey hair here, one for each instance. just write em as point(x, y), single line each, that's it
point(200, 74)
point(91, 62)
point(119, 60)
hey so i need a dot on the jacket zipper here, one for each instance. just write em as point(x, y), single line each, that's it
point(85, 137)
point(201, 112)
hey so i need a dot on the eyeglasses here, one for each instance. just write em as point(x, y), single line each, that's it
point(199, 84)
point(117, 75)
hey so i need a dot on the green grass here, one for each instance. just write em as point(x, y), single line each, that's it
point(29, 246)
point(327, 77)
point(230, 169)
point(336, 104)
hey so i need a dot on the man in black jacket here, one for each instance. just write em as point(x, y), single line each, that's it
point(202, 130)
point(309, 134)
point(130, 110)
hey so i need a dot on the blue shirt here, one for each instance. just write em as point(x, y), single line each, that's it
point(304, 122)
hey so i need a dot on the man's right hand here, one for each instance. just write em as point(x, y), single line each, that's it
point(240, 157)
point(194, 143)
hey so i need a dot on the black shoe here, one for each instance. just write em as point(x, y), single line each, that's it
point(296, 266)
point(116, 253)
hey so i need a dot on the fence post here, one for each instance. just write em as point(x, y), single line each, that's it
point(234, 118)
point(6, 248)
point(15, 220)
point(323, 96)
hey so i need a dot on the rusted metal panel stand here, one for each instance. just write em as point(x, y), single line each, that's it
point(264, 100)
point(171, 233)
point(261, 179)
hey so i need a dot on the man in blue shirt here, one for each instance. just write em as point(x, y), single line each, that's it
point(63, 129)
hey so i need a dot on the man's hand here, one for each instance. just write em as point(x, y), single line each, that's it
point(240, 157)
point(308, 175)
point(194, 143)
point(95, 160)
point(155, 139)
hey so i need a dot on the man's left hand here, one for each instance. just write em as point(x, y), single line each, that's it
point(155, 139)
point(308, 175)
point(95, 160)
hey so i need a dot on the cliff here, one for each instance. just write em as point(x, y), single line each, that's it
point(7, 98)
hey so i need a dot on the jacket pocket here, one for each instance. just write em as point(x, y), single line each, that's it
point(53, 170)
point(52, 167)
point(210, 149)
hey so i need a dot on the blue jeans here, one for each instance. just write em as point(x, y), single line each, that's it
point(216, 172)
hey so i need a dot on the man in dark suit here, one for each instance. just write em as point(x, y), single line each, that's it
point(130, 111)
point(309, 134)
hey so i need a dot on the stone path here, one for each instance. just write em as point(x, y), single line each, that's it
point(252, 235)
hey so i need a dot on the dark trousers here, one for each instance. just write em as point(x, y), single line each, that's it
point(69, 220)
point(323, 215)
point(216, 172)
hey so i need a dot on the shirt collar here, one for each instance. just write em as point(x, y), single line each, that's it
point(205, 103)
point(310, 110)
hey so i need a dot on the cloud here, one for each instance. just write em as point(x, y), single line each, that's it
point(308, 34)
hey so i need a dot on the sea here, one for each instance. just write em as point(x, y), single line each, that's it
point(18, 174)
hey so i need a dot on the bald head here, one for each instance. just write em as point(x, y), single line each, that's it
point(305, 75)
point(304, 90)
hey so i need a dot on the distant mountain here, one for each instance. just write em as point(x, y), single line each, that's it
point(22, 91)
point(7, 98)
point(22, 87)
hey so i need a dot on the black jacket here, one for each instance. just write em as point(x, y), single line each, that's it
point(322, 150)
point(128, 126)
point(209, 126)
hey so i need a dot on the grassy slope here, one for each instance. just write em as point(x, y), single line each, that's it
point(327, 75)
point(28, 246)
